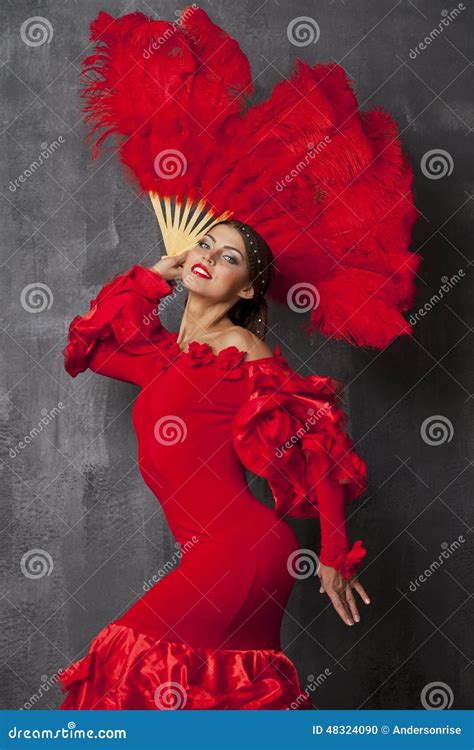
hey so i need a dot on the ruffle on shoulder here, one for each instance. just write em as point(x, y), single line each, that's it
point(125, 670)
point(125, 309)
point(291, 431)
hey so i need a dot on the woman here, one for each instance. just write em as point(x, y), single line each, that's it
point(215, 400)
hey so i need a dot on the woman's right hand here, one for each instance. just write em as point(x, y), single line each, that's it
point(170, 267)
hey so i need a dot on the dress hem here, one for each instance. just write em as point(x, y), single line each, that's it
point(126, 669)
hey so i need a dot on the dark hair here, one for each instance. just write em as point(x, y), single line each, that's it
point(253, 313)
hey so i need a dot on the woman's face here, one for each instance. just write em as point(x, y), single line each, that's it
point(216, 266)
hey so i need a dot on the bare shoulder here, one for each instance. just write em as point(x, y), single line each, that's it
point(248, 342)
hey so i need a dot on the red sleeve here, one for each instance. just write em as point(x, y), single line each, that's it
point(335, 550)
point(291, 430)
point(122, 330)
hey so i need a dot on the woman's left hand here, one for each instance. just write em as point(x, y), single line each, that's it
point(339, 590)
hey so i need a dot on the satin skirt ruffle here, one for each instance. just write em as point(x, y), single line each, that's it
point(125, 669)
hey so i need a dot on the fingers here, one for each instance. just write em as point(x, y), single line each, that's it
point(361, 591)
point(341, 607)
point(181, 257)
point(339, 590)
point(352, 604)
point(179, 261)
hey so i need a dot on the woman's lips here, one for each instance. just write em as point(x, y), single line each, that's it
point(200, 271)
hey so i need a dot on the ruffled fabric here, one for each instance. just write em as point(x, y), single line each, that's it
point(348, 563)
point(125, 310)
point(228, 361)
point(292, 432)
point(125, 669)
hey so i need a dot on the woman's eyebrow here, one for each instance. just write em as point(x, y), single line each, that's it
point(229, 247)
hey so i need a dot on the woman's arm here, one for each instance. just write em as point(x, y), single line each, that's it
point(335, 557)
point(291, 430)
point(122, 328)
point(332, 519)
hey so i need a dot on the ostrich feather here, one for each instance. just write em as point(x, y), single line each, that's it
point(328, 187)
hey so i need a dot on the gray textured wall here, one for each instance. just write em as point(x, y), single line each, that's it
point(75, 493)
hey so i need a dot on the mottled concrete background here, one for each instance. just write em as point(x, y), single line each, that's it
point(81, 533)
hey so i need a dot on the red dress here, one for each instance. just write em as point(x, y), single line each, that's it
point(207, 635)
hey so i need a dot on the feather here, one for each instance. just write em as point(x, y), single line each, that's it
point(328, 187)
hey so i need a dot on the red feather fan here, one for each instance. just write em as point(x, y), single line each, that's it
point(327, 186)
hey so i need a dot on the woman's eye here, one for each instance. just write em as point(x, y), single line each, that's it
point(203, 243)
